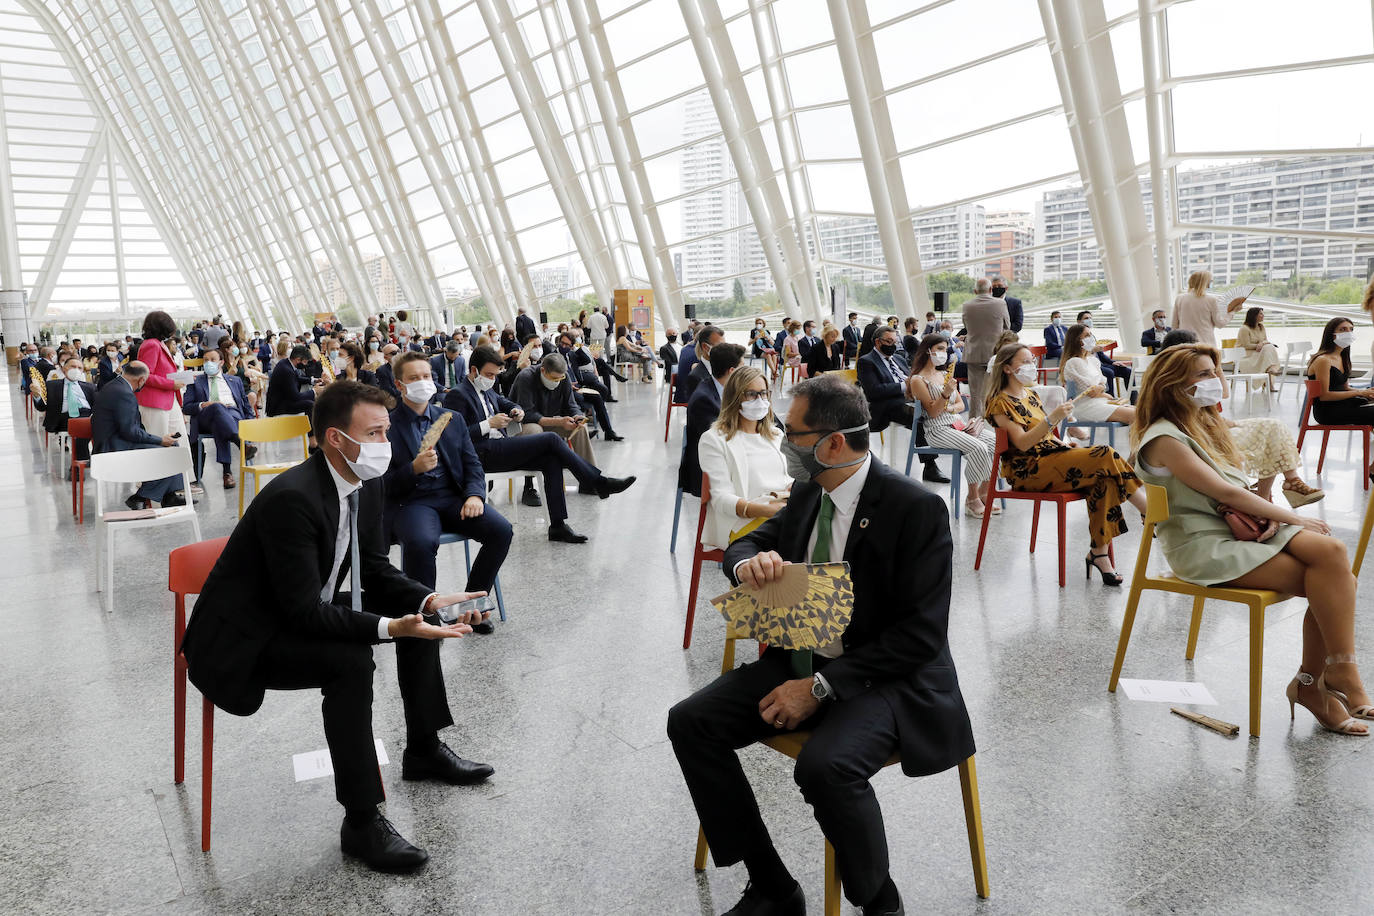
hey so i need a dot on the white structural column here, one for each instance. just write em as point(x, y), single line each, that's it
point(1152, 40)
point(446, 185)
point(859, 62)
point(116, 226)
point(738, 123)
point(10, 276)
point(629, 166)
point(1081, 49)
point(548, 142)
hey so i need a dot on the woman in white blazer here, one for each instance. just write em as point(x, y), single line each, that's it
point(741, 456)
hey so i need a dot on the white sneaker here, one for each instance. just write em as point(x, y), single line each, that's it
point(197, 489)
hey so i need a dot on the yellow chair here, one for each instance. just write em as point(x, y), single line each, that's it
point(1364, 535)
point(1256, 599)
point(193, 363)
point(851, 374)
point(269, 429)
point(792, 743)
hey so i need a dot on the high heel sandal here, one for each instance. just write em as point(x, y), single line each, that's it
point(1364, 711)
point(1298, 493)
point(1112, 579)
point(1345, 726)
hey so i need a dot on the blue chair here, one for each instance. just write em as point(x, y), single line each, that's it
point(450, 538)
point(1111, 427)
point(677, 507)
point(957, 465)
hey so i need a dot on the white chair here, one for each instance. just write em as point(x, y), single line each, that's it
point(511, 478)
point(1301, 348)
point(1231, 357)
point(135, 466)
point(1138, 366)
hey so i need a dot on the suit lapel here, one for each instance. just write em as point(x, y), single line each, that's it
point(869, 499)
point(412, 435)
point(808, 507)
point(329, 502)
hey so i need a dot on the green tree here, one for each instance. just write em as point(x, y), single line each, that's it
point(738, 292)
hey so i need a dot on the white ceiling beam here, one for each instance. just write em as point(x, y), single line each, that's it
point(73, 205)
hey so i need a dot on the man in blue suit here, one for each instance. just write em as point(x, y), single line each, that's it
point(216, 403)
point(493, 421)
point(852, 338)
point(447, 368)
point(108, 367)
point(386, 379)
point(117, 427)
point(1055, 332)
point(703, 407)
point(708, 338)
point(441, 489)
point(28, 358)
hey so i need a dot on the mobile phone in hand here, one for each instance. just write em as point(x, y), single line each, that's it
point(451, 613)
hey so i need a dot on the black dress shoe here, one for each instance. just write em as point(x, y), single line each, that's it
point(606, 487)
point(932, 474)
point(611, 400)
point(559, 531)
point(531, 498)
point(138, 502)
point(874, 911)
point(754, 903)
point(380, 847)
point(485, 628)
point(171, 500)
point(612, 437)
point(444, 765)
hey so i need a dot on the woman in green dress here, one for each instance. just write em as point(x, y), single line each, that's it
point(1182, 444)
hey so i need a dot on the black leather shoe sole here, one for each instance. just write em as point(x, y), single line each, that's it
point(566, 536)
point(479, 772)
point(531, 498)
point(935, 478)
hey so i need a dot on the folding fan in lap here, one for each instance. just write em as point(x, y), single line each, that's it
point(808, 607)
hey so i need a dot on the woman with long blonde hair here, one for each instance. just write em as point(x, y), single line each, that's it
point(741, 457)
point(1182, 444)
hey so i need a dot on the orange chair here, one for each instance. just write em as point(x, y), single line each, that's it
point(1060, 500)
point(700, 555)
point(1314, 390)
point(672, 393)
point(1041, 372)
point(79, 428)
point(187, 569)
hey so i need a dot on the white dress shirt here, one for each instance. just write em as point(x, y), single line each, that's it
point(485, 425)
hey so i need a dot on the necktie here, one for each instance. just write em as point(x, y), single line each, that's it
point(491, 412)
point(214, 388)
point(801, 658)
point(892, 367)
point(355, 585)
point(73, 404)
point(452, 379)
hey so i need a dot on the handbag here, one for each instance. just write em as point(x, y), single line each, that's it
point(1244, 526)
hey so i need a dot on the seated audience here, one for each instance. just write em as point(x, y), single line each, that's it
point(761, 342)
point(628, 350)
point(808, 338)
point(289, 390)
point(1261, 354)
point(932, 383)
point(386, 378)
point(823, 358)
point(69, 397)
point(1055, 332)
point(1152, 338)
point(1036, 459)
point(691, 372)
point(670, 353)
point(911, 341)
point(117, 426)
point(882, 376)
point(703, 408)
point(741, 457)
point(448, 367)
point(109, 365)
point(1181, 444)
point(852, 338)
point(354, 365)
point(545, 393)
point(1338, 404)
point(1119, 370)
point(216, 403)
point(887, 687)
point(1085, 382)
point(791, 348)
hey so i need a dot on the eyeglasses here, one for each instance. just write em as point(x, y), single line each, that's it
point(754, 396)
point(789, 433)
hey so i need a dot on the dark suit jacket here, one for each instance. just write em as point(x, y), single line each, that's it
point(115, 422)
point(900, 558)
point(269, 577)
point(1015, 312)
point(820, 360)
point(804, 345)
point(539, 402)
point(1054, 341)
point(462, 399)
point(55, 409)
point(437, 342)
point(851, 337)
point(105, 372)
point(875, 378)
point(284, 395)
point(386, 380)
point(456, 457)
point(701, 372)
point(866, 341)
point(685, 361)
point(1149, 341)
point(524, 326)
point(670, 359)
point(703, 407)
point(438, 367)
point(199, 392)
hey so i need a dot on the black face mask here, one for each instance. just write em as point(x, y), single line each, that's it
point(887, 349)
point(999, 291)
point(672, 338)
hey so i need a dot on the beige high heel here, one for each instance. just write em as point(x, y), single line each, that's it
point(1299, 493)
point(1347, 726)
point(1365, 711)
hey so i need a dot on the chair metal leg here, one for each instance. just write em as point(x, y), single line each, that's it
point(973, 819)
point(207, 763)
point(955, 478)
point(1194, 626)
point(833, 900)
point(500, 602)
point(1256, 663)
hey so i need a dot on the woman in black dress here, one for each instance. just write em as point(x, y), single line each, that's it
point(1337, 403)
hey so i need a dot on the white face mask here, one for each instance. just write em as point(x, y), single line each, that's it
point(76, 375)
point(1208, 393)
point(537, 353)
point(482, 383)
point(373, 458)
point(1026, 374)
point(1345, 339)
point(1089, 343)
point(419, 391)
point(939, 357)
point(754, 410)
point(550, 383)
point(1159, 323)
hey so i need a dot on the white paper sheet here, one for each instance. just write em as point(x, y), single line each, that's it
point(185, 376)
point(1168, 692)
point(315, 764)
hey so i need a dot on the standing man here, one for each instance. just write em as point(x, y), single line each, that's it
point(524, 325)
point(301, 593)
point(852, 338)
point(886, 686)
point(117, 426)
point(985, 318)
point(1014, 310)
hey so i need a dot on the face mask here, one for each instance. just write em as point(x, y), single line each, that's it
point(1345, 339)
point(233, 351)
point(999, 291)
point(1208, 393)
point(482, 383)
point(1026, 374)
point(374, 346)
point(537, 353)
point(404, 341)
point(419, 391)
point(853, 322)
point(373, 458)
point(796, 333)
point(75, 375)
point(754, 410)
point(1056, 321)
point(550, 383)
point(802, 463)
point(1087, 322)
point(887, 349)
point(1159, 323)
point(212, 368)
point(111, 354)
point(1089, 342)
point(672, 338)
point(939, 357)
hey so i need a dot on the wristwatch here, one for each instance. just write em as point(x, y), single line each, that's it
point(819, 690)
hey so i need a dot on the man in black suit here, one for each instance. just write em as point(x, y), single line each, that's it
point(669, 354)
point(46, 363)
point(888, 684)
point(441, 489)
point(116, 426)
point(866, 341)
point(386, 379)
point(301, 593)
point(438, 340)
point(545, 392)
point(852, 338)
point(688, 373)
point(1014, 309)
point(807, 340)
point(493, 422)
point(703, 407)
point(447, 368)
point(882, 376)
point(524, 325)
point(289, 389)
point(68, 397)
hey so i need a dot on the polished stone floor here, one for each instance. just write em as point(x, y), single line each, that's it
point(1092, 803)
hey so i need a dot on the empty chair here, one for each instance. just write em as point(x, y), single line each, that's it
point(269, 429)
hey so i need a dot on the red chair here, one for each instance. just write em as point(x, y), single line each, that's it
point(672, 393)
point(187, 569)
point(1314, 390)
point(1041, 372)
point(700, 555)
point(79, 428)
point(1060, 500)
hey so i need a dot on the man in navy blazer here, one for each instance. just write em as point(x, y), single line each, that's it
point(885, 389)
point(493, 422)
point(524, 326)
point(56, 409)
point(447, 368)
point(1055, 332)
point(116, 426)
point(708, 338)
point(386, 379)
point(108, 367)
point(284, 393)
point(442, 489)
point(703, 407)
point(216, 403)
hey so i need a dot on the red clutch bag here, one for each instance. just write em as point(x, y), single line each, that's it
point(1244, 526)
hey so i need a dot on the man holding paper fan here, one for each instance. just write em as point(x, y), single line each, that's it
point(887, 686)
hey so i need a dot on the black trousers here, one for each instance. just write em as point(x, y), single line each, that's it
point(547, 453)
point(343, 673)
point(420, 522)
point(851, 740)
point(895, 412)
point(598, 407)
